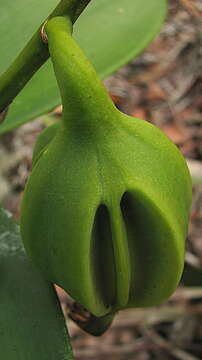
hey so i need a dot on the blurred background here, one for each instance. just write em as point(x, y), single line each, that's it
point(163, 86)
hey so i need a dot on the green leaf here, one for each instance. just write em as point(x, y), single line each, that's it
point(32, 325)
point(110, 32)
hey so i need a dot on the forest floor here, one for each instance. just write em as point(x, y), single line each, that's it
point(163, 86)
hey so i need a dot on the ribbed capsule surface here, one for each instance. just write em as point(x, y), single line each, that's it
point(105, 209)
point(107, 222)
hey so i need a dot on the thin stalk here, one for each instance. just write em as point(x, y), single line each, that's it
point(34, 55)
point(82, 92)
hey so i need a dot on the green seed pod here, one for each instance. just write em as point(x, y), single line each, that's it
point(106, 206)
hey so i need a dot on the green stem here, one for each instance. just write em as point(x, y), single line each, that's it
point(34, 55)
point(84, 97)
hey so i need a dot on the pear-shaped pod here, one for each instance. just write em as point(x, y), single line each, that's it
point(106, 206)
point(107, 222)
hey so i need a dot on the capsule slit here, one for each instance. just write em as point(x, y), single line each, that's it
point(103, 261)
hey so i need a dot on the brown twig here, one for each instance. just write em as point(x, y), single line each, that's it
point(166, 345)
point(188, 4)
point(112, 350)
